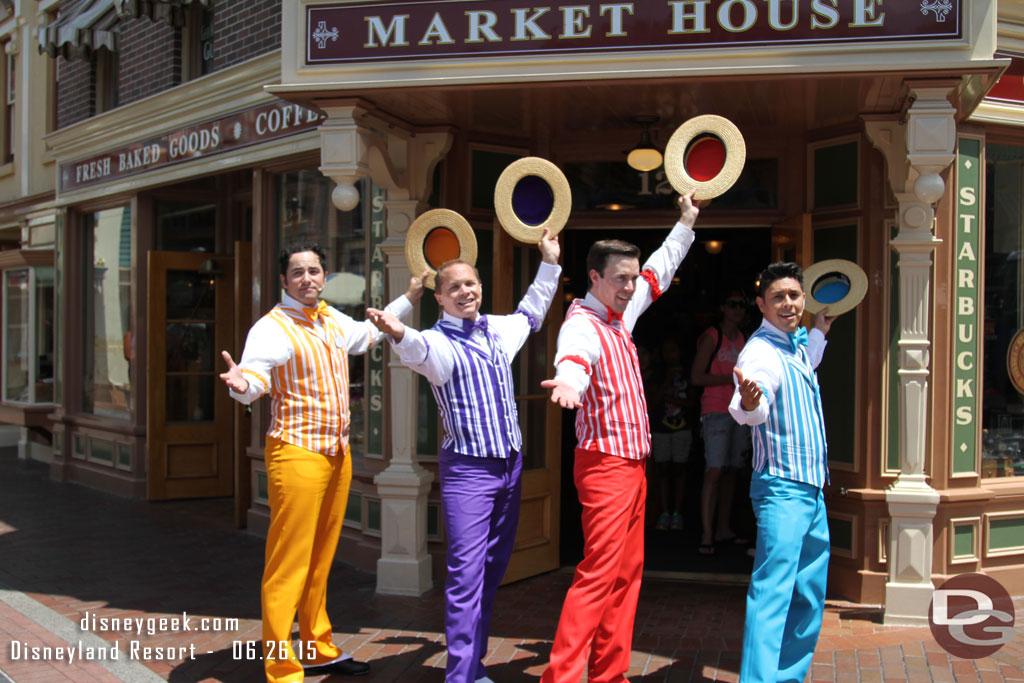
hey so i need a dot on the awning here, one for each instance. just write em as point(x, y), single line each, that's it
point(78, 34)
point(171, 11)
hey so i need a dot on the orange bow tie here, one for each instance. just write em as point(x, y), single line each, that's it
point(316, 311)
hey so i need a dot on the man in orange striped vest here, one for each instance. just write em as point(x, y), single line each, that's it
point(598, 372)
point(298, 353)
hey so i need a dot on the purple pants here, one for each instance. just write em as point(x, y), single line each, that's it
point(480, 499)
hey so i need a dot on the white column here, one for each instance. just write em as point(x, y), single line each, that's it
point(916, 151)
point(356, 142)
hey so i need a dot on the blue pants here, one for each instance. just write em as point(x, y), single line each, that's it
point(480, 497)
point(787, 587)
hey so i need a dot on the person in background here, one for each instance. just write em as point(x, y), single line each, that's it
point(777, 394)
point(670, 404)
point(725, 440)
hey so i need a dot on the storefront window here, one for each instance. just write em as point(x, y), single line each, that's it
point(304, 213)
point(1003, 381)
point(109, 339)
point(28, 335)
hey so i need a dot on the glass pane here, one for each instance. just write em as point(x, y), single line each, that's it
point(190, 347)
point(190, 296)
point(44, 319)
point(529, 368)
point(190, 398)
point(1003, 393)
point(106, 294)
point(185, 226)
point(16, 338)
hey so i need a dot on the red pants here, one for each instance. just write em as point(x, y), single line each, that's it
point(596, 626)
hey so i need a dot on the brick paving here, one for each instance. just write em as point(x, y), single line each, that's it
point(67, 552)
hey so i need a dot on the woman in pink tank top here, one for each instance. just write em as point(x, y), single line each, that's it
point(725, 441)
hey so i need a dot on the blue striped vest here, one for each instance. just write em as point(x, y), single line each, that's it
point(791, 443)
point(477, 405)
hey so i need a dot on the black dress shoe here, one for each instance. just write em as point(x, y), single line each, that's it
point(346, 667)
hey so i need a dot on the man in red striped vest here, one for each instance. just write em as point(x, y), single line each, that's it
point(298, 353)
point(598, 372)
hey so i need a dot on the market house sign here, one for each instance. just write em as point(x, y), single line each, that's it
point(381, 31)
point(225, 134)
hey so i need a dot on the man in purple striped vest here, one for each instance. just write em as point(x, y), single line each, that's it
point(467, 359)
point(598, 372)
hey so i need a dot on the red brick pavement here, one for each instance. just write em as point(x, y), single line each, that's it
point(79, 552)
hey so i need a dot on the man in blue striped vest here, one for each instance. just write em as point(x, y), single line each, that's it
point(777, 394)
point(467, 359)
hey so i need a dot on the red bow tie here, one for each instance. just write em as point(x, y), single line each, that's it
point(613, 316)
point(316, 311)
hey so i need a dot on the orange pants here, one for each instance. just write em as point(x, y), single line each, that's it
point(596, 626)
point(308, 493)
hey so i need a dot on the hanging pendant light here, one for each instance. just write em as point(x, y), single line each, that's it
point(645, 156)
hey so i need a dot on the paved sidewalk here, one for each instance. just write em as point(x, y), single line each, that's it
point(68, 553)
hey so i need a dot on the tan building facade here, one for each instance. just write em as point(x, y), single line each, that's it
point(871, 135)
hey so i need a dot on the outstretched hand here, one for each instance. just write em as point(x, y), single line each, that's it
point(386, 322)
point(750, 392)
point(688, 208)
point(549, 248)
point(822, 320)
point(234, 378)
point(415, 291)
point(562, 393)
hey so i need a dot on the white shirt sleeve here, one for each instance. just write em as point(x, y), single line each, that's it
point(816, 344)
point(663, 263)
point(579, 350)
point(266, 347)
point(428, 353)
point(513, 330)
point(360, 337)
point(759, 362)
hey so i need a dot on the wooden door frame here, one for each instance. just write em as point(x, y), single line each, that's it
point(156, 370)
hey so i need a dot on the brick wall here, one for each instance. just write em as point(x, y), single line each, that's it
point(150, 59)
point(76, 94)
point(244, 29)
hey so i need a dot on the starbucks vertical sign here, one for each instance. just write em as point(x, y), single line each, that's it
point(375, 369)
point(967, 307)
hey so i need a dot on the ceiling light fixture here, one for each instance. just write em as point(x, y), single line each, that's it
point(645, 156)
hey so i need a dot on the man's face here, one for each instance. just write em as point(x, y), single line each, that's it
point(459, 292)
point(614, 288)
point(305, 277)
point(783, 304)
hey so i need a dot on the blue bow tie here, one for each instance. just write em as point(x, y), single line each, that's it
point(469, 326)
point(799, 338)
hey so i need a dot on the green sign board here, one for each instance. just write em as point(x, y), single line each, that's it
point(375, 366)
point(967, 311)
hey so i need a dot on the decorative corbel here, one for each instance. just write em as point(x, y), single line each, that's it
point(352, 148)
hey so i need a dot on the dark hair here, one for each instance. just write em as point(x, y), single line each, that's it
point(597, 257)
point(298, 248)
point(448, 264)
point(778, 271)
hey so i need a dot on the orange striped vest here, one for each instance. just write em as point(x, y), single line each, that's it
point(309, 393)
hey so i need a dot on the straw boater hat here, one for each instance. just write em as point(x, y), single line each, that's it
point(532, 194)
point(437, 236)
point(700, 166)
point(835, 283)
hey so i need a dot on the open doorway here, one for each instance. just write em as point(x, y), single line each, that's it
point(721, 260)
